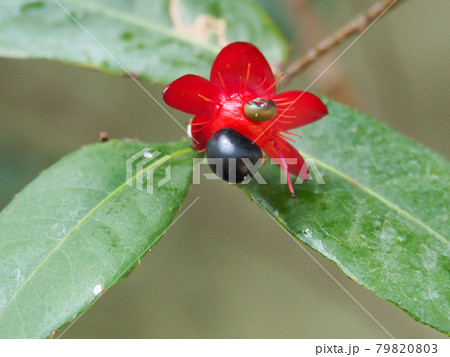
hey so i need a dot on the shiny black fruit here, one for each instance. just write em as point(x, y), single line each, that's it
point(225, 152)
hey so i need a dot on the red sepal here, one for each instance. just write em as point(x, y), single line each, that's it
point(241, 67)
point(192, 94)
point(199, 131)
point(297, 108)
point(298, 167)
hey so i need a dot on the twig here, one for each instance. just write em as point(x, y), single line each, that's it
point(336, 83)
point(355, 26)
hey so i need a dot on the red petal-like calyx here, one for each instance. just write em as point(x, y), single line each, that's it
point(241, 67)
point(192, 94)
point(199, 131)
point(296, 108)
point(297, 167)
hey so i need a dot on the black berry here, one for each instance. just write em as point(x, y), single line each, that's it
point(225, 152)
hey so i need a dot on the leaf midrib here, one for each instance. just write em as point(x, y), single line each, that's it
point(144, 23)
point(91, 212)
point(380, 198)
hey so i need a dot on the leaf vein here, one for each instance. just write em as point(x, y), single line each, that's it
point(376, 195)
point(90, 213)
point(141, 22)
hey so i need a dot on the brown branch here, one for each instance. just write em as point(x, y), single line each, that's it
point(356, 26)
point(335, 84)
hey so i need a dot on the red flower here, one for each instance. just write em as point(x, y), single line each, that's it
point(239, 75)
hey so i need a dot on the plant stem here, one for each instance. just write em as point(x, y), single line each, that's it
point(356, 26)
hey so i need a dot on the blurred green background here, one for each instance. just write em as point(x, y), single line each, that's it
point(226, 269)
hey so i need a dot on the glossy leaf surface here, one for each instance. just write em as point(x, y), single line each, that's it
point(159, 40)
point(83, 225)
point(382, 214)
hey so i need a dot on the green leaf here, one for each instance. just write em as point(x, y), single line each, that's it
point(381, 216)
point(83, 225)
point(159, 40)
